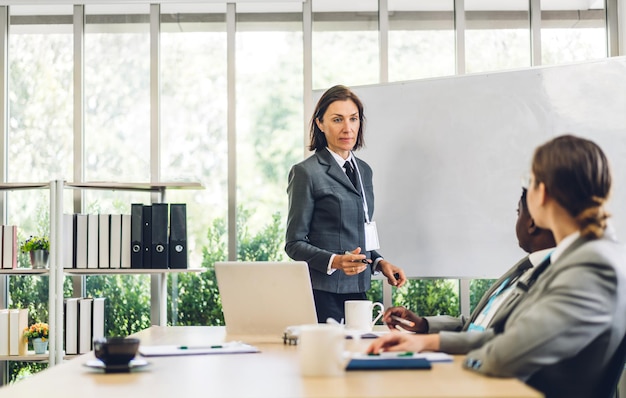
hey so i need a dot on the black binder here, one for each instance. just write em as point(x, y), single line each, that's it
point(178, 235)
point(159, 249)
point(146, 237)
point(136, 231)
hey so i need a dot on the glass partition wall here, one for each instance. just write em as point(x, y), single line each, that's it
point(227, 83)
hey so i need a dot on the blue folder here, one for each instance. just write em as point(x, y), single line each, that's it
point(388, 363)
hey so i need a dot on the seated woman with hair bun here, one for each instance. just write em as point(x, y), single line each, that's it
point(561, 336)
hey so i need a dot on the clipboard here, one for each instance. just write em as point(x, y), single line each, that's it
point(397, 360)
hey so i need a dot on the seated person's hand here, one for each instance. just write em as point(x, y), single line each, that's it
point(413, 323)
point(396, 341)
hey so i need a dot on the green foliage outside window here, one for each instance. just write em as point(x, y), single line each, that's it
point(478, 287)
point(429, 297)
point(194, 297)
point(198, 301)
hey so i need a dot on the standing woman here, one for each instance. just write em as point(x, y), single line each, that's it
point(562, 335)
point(331, 205)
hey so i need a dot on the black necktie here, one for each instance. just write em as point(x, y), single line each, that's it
point(538, 271)
point(350, 172)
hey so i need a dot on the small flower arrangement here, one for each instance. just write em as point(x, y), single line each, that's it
point(39, 329)
point(35, 243)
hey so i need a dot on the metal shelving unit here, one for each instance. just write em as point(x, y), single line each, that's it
point(57, 272)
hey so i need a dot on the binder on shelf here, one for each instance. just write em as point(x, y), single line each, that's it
point(70, 316)
point(104, 240)
point(178, 235)
point(98, 318)
point(69, 240)
point(125, 251)
point(18, 321)
point(81, 241)
point(136, 232)
point(9, 246)
point(84, 324)
point(146, 236)
point(115, 233)
point(92, 241)
point(4, 332)
point(159, 248)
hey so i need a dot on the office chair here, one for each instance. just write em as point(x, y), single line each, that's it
point(615, 368)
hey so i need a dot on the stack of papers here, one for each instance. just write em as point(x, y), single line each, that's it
point(233, 347)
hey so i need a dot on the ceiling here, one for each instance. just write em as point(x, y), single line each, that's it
point(51, 7)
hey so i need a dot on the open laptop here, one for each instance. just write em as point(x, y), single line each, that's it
point(261, 299)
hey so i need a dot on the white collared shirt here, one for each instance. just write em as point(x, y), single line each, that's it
point(563, 245)
point(537, 257)
point(341, 161)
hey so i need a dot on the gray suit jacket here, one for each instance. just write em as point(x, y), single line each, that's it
point(448, 327)
point(326, 217)
point(563, 332)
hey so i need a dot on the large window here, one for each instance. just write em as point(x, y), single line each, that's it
point(269, 115)
point(39, 144)
point(194, 114)
point(572, 31)
point(345, 43)
point(421, 39)
point(117, 93)
point(266, 77)
point(497, 35)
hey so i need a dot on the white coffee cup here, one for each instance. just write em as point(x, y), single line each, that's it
point(359, 314)
point(321, 350)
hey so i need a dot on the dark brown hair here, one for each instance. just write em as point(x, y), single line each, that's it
point(576, 174)
point(336, 93)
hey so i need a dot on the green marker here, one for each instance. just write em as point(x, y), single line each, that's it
point(185, 347)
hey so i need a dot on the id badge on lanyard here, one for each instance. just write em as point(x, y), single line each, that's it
point(371, 233)
point(371, 236)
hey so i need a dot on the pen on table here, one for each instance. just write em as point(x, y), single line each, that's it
point(391, 354)
point(403, 321)
point(199, 347)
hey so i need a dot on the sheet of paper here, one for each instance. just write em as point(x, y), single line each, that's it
point(429, 356)
point(233, 347)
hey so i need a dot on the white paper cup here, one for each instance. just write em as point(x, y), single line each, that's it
point(321, 350)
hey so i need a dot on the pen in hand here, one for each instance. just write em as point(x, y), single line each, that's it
point(403, 321)
point(364, 261)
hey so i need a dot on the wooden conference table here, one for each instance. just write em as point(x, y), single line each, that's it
point(274, 372)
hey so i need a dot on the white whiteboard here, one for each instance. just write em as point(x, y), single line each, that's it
point(448, 156)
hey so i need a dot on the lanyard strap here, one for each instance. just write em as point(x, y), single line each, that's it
point(358, 173)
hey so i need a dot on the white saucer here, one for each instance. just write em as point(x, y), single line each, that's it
point(135, 363)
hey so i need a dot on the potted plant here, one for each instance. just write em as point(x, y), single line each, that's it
point(38, 333)
point(39, 248)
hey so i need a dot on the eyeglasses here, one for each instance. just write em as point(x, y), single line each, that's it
point(527, 181)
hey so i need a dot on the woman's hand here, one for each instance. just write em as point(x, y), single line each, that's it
point(351, 263)
point(395, 275)
point(398, 341)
